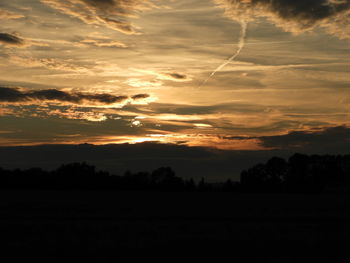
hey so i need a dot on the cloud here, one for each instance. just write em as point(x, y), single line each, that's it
point(50, 63)
point(109, 13)
point(165, 75)
point(74, 114)
point(294, 16)
point(173, 76)
point(140, 96)
point(139, 83)
point(11, 40)
point(18, 95)
point(4, 14)
point(99, 43)
point(330, 139)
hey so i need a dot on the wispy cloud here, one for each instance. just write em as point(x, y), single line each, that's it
point(4, 14)
point(110, 13)
point(165, 74)
point(49, 63)
point(104, 43)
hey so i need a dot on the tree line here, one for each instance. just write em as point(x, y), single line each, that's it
point(299, 173)
point(85, 176)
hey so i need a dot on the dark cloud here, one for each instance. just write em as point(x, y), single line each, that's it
point(53, 94)
point(11, 95)
point(13, 40)
point(140, 96)
point(18, 95)
point(294, 15)
point(237, 138)
point(174, 76)
point(9, 39)
point(177, 76)
point(331, 140)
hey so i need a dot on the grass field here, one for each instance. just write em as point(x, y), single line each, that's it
point(261, 228)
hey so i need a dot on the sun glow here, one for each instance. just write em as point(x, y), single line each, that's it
point(200, 140)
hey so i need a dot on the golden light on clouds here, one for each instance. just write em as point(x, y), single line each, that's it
point(194, 140)
point(124, 71)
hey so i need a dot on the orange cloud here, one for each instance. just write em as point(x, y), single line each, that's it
point(111, 13)
point(4, 14)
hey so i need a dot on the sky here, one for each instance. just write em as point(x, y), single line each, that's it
point(243, 75)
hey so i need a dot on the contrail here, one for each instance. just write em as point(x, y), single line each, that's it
point(241, 44)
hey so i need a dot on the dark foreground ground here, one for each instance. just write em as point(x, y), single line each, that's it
point(247, 228)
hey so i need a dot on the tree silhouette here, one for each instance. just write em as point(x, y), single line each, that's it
point(165, 179)
point(204, 186)
point(301, 173)
point(276, 169)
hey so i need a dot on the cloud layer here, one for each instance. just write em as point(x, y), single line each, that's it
point(294, 16)
point(14, 95)
point(329, 139)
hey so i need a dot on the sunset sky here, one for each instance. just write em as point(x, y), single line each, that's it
point(129, 71)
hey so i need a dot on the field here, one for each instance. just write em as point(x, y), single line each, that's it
point(93, 224)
